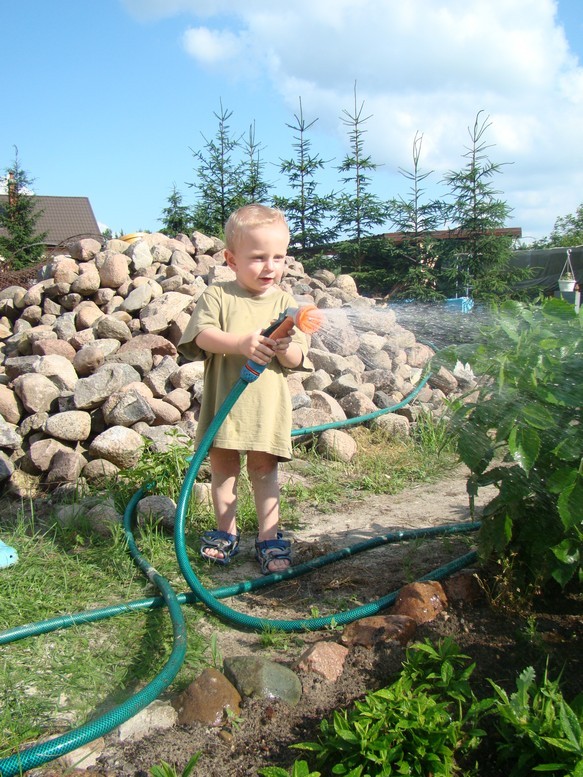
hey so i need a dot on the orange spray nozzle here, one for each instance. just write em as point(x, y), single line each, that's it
point(307, 318)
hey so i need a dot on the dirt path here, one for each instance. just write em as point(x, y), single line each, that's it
point(359, 579)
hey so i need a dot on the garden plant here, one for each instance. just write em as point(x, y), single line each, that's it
point(522, 432)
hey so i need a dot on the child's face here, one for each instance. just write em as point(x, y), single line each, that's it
point(258, 259)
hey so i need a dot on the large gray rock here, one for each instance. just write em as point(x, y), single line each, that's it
point(42, 452)
point(57, 368)
point(336, 445)
point(37, 392)
point(158, 315)
point(113, 328)
point(138, 298)
point(121, 446)
point(88, 282)
point(159, 379)
point(258, 677)
point(10, 437)
point(70, 426)
point(126, 408)
point(93, 391)
point(66, 467)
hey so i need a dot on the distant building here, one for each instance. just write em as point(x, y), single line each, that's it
point(452, 234)
point(63, 219)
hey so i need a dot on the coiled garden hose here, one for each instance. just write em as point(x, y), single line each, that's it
point(35, 756)
point(250, 373)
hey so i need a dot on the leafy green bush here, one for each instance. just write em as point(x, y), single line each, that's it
point(428, 722)
point(523, 433)
point(539, 731)
point(415, 726)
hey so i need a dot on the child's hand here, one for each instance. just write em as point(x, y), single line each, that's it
point(288, 353)
point(257, 347)
point(283, 343)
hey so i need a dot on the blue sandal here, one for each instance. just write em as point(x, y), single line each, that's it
point(267, 551)
point(227, 544)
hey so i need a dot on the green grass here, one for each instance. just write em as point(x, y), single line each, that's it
point(55, 681)
point(382, 465)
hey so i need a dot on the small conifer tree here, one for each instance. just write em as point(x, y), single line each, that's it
point(176, 217)
point(306, 210)
point(360, 210)
point(254, 187)
point(20, 244)
point(479, 258)
point(415, 259)
point(218, 179)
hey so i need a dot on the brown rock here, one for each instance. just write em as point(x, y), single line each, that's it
point(88, 359)
point(207, 699)
point(463, 587)
point(59, 347)
point(379, 628)
point(325, 659)
point(156, 344)
point(421, 601)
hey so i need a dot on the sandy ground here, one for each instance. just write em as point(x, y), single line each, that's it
point(356, 580)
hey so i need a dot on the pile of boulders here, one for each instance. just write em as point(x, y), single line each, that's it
point(89, 367)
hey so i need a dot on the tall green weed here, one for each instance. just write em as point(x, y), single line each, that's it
point(523, 433)
point(538, 730)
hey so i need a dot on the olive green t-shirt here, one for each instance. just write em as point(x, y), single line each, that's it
point(260, 420)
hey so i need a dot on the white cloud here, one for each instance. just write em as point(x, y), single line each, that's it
point(211, 47)
point(419, 66)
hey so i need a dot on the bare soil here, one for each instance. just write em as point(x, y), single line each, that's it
point(501, 643)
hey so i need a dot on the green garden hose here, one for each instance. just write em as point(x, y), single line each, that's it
point(249, 374)
point(37, 755)
point(34, 757)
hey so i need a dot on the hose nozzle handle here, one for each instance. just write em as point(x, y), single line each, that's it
point(307, 318)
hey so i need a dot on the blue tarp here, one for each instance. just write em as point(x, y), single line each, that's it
point(463, 304)
point(8, 555)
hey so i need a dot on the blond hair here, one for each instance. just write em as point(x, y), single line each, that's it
point(248, 217)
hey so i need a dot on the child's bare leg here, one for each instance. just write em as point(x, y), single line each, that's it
point(262, 469)
point(225, 469)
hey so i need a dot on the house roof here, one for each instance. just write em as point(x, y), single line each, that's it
point(452, 234)
point(63, 218)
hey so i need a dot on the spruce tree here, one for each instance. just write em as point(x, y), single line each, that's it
point(176, 217)
point(218, 180)
point(478, 258)
point(361, 210)
point(22, 246)
point(254, 187)
point(417, 253)
point(307, 212)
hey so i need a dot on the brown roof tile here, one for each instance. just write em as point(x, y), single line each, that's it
point(64, 218)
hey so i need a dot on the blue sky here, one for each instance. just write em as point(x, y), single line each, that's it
point(109, 99)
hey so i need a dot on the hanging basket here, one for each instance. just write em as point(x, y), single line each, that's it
point(567, 280)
